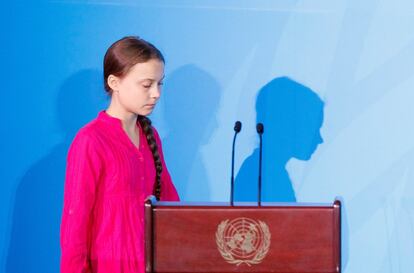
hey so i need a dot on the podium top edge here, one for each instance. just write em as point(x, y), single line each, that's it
point(240, 204)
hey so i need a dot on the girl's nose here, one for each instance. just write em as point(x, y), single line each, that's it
point(156, 92)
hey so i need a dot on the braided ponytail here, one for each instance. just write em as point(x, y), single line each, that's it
point(149, 135)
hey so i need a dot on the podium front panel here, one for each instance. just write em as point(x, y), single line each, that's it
point(283, 239)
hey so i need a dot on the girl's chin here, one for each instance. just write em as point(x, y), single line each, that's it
point(145, 112)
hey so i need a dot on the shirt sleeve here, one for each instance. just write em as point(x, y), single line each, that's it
point(168, 190)
point(82, 174)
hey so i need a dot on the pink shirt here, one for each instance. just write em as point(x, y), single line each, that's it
point(107, 181)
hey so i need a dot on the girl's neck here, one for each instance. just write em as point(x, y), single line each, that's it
point(128, 119)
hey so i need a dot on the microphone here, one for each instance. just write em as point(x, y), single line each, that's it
point(237, 129)
point(260, 130)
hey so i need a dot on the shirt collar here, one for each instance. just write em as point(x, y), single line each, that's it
point(103, 115)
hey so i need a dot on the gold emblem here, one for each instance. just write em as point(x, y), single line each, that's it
point(243, 240)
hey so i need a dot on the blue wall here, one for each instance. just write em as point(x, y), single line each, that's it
point(332, 81)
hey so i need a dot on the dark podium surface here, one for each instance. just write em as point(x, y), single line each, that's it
point(217, 237)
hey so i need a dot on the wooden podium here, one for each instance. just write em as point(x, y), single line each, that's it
point(217, 237)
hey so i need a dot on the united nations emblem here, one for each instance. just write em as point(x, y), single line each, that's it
point(243, 240)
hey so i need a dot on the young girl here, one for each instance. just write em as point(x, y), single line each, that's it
point(114, 163)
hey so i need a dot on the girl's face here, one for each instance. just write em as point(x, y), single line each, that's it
point(139, 90)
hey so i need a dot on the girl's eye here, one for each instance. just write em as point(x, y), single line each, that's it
point(160, 83)
point(146, 85)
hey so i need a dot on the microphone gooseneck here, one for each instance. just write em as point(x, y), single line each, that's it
point(260, 131)
point(237, 129)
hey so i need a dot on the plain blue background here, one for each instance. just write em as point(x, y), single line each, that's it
point(332, 81)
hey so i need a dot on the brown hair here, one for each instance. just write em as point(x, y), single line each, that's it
point(120, 57)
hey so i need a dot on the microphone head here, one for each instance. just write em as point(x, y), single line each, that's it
point(237, 126)
point(260, 128)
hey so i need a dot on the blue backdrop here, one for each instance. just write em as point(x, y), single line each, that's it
point(331, 80)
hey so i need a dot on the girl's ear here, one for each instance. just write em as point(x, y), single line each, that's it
point(113, 82)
